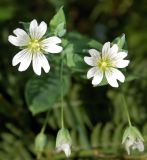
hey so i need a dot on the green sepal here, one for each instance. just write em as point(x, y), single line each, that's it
point(121, 42)
point(132, 132)
point(63, 136)
point(40, 142)
point(26, 25)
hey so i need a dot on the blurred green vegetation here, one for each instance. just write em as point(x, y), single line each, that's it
point(94, 115)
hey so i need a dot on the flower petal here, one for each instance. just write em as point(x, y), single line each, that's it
point(121, 55)
point(140, 146)
point(19, 57)
point(90, 61)
point(22, 37)
point(33, 29)
point(129, 142)
point(51, 40)
point(17, 41)
point(42, 28)
point(106, 49)
point(20, 33)
point(94, 53)
point(122, 63)
point(112, 75)
point(114, 49)
point(24, 57)
point(92, 72)
point(97, 78)
point(66, 149)
point(52, 48)
point(36, 63)
point(44, 63)
point(39, 60)
point(26, 62)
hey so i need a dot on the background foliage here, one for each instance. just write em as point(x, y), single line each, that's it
point(94, 115)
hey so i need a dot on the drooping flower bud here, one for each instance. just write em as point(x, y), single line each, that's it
point(63, 142)
point(40, 142)
point(132, 139)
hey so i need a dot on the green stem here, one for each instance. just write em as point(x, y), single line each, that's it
point(126, 110)
point(61, 82)
point(45, 123)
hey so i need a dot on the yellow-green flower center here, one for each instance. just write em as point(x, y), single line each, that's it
point(104, 64)
point(34, 45)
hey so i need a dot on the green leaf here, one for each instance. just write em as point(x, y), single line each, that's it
point(25, 25)
point(76, 48)
point(60, 30)
point(43, 92)
point(95, 136)
point(82, 43)
point(120, 41)
point(58, 23)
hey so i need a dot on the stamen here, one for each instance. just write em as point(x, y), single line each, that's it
point(34, 45)
point(102, 65)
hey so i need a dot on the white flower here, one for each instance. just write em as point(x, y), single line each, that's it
point(105, 63)
point(63, 142)
point(34, 45)
point(66, 148)
point(132, 143)
point(132, 139)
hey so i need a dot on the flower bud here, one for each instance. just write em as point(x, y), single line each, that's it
point(40, 142)
point(63, 142)
point(132, 139)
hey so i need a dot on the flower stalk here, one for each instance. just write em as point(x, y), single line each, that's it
point(61, 88)
point(126, 110)
point(45, 123)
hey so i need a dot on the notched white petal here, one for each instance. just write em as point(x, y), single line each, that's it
point(122, 55)
point(44, 63)
point(114, 49)
point(18, 57)
point(90, 61)
point(36, 64)
point(66, 148)
point(51, 40)
point(25, 63)
point(118, 74)
point(17, 41)
point(122, 63)
point(13, 40)
point(20, 33)
point(112, 75)
point(106, 48)
point(33, 28)
point(42, 28)
point(94, 53)
point(91, 72)
point(97, 78)
point(24, 58)
point(111, 78)
point(40, 61)
point(52, 48)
